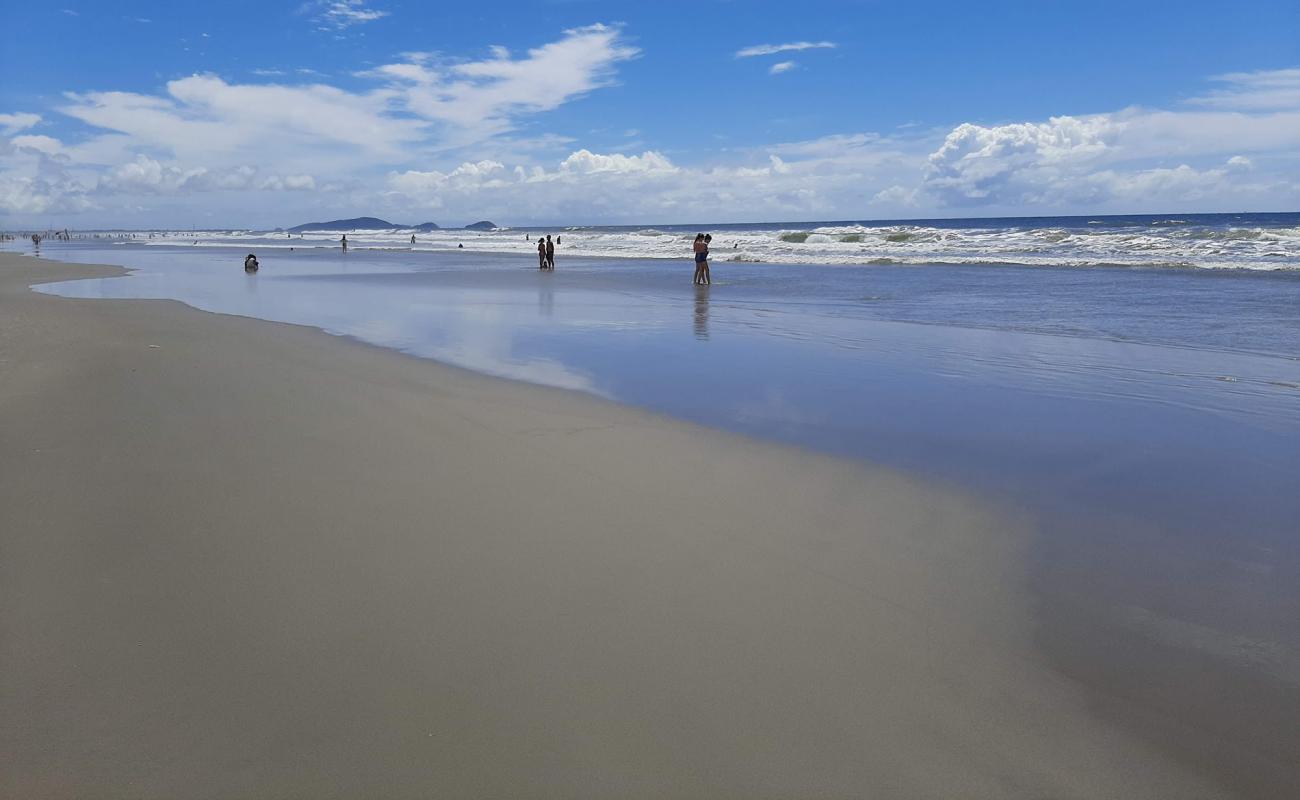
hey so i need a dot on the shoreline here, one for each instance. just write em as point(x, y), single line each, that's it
point(256, 558)
point(918, 262)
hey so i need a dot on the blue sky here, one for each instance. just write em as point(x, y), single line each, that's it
point(265, 114)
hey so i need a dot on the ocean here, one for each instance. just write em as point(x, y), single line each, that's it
point(1209, 241)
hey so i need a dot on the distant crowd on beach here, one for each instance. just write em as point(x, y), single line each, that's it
point(546, 246)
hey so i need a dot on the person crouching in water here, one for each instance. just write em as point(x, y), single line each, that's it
point(250, 263)
point(701, 248)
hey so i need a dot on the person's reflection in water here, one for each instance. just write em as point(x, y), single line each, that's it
point(702, 312)
point(545, 298)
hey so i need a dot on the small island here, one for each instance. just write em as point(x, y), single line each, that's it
point(354, 224)
point(481, 225)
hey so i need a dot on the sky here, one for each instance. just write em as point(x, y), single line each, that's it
point(268, 114)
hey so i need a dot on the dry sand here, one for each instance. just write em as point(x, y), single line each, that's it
point(243, 559)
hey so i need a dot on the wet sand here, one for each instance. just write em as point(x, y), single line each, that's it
point(246, 559)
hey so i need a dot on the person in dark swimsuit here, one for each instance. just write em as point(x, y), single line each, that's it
point(541, 254)
point(704, 266)
point(550, 253)
point(701, 248)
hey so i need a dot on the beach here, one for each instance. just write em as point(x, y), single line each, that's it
point(250, 559)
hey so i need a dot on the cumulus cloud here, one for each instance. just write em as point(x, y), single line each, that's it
point(976, 163)
point(773, 49)
point(145, 175)
point(1090, 161)
point(587, 162)
point(34, 182)
point(593, 187)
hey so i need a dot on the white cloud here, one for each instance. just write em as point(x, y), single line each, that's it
point(449, 137)
point(781, 66)
point(977, 163)
point(341, 14)
point(34, 182)
point(895, 196)
point(148, 176)
point(477, 99)
point(12, 123)
point(772, 49)
point(288, 183)
point(203, 133)
point(1264, 90)
point(1091, 161)
point(595, 187)
point(43, 144)
point(587, 162)
point(203, 119)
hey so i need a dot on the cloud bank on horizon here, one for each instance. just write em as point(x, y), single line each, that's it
point(463, 137)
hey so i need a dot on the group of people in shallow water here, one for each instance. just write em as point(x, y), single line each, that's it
point(546, 255)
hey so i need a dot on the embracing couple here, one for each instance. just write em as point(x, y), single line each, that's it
point(702, 259)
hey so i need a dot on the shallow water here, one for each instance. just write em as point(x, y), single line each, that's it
point(1256, 242)
point(1149, 419)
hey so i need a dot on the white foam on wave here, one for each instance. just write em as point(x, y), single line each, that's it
point(1155, 246)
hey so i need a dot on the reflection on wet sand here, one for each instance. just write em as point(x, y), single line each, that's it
point(701, 312)
point(545, 298)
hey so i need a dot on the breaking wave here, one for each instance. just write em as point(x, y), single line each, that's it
point(1160, 242)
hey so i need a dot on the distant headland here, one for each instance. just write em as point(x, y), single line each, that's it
point(377, 224)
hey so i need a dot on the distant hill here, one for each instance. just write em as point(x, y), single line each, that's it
point(377, 224)
point(354, 224)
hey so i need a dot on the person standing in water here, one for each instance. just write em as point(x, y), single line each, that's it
point(541, 254)
point(413, 238)
point(345, 242)
point(701, 248)
point(550, 253)
point(708, 242)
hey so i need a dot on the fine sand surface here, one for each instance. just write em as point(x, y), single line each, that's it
point(242, 560)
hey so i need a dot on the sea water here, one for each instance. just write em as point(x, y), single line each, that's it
point(1207, 241)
